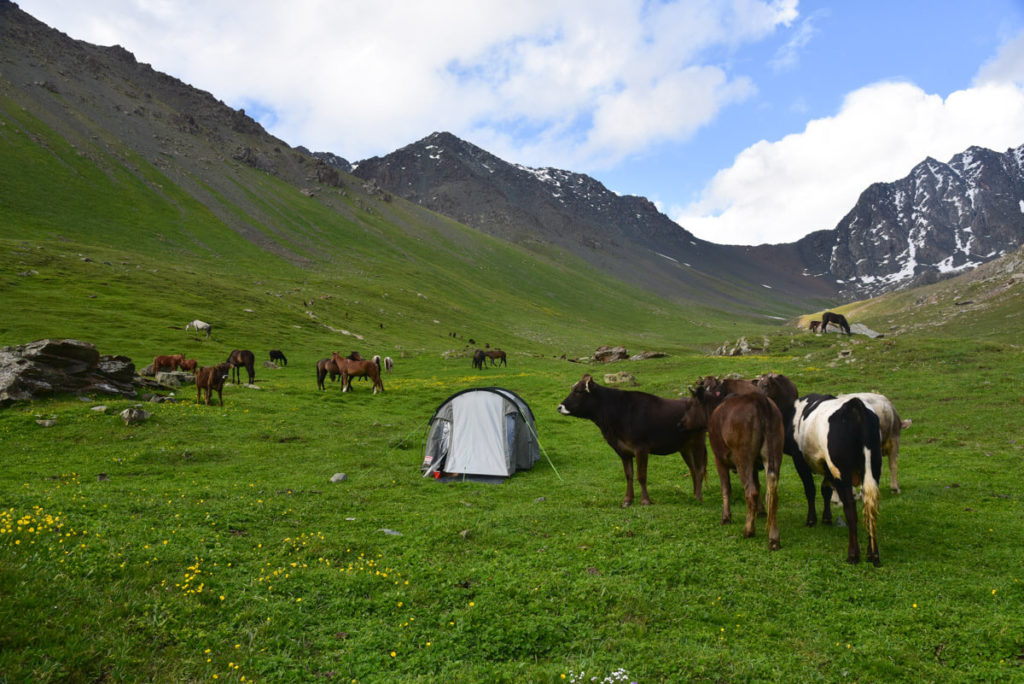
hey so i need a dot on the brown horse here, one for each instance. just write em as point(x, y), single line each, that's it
point(189, 365)
point(815, 326)
point(350, 368)
point(171, 361)
point(242, 357)
point(493, 354)
point(323, 368)
point(478, 358)
point(746, 433)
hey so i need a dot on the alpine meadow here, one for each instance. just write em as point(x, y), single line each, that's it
point(210, 543)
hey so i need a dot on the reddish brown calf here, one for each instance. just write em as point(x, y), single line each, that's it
point(209, 378)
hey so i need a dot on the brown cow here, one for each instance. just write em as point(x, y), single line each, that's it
point(350, 368)
point(636, 424)
point(746, 433)
point(171, 361)
point(211, 378)
point(189, 365)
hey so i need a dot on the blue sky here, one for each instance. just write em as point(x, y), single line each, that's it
point(747, 121)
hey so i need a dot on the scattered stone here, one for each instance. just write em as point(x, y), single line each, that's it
point(270, 364)
point(175, 378)
point(464, 534)
point(339, 477)
point(99, 409)
point(643, 356)
point(393, 533)
point(540, 499)
point(620, 378)
point(606, 354)
point(134, 416)
point(48, 422)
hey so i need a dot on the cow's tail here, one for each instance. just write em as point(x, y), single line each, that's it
point(872, 444)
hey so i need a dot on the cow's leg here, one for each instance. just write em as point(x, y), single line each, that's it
point(757, 487)
point(748, 476)
point(892, 452)
point(772, 496)
point(695, 456)
point(806, 477)
point(722, 465)
point(641, 476)
point(850, 513)
point(627, 469)
point(826, 498)
point(220, 396)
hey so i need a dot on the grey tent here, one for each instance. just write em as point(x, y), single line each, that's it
point(483, 433)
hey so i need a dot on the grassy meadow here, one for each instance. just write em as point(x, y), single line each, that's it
point(209, 544)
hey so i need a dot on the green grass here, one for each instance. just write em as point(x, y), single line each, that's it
point(542, 576)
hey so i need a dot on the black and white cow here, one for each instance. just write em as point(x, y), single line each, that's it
point(839, 439)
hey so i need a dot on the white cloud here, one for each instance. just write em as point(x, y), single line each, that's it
point(590, 81)
point(780, 191)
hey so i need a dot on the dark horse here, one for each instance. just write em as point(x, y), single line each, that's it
point(350, 368)
point(493, 354)
point(323, 367)
point(242, 357)
point(838, 320)
point(478, 359)
point(278, 355)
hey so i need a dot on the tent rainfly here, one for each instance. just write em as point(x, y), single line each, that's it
point(482, 433)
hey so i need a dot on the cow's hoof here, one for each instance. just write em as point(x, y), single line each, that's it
point(774, 545)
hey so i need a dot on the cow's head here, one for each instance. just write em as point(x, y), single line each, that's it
point(581, 400)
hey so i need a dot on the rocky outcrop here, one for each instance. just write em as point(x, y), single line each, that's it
point(47, 367)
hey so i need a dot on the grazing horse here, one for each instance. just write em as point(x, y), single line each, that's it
point(171, 361)
point(209, 378)
point(389, 364)
point(278, 355)
point(746, 434)
point(323, 367)
point(496, 354)
point(189, 365)
point(838, 438)
point(198, 326)
point(242, 357)
point(836, 319)
point(478, 359)
point(350, 368)
point(815, 326)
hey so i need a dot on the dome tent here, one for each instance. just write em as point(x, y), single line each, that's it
point(481, 433)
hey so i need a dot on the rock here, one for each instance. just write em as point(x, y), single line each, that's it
point(49, 422)
point(393, 533)
point(99, 409)
point(175, 378)
point(270, 364)
point(46, 367)
point(620, 378)
point(605, 354)
point(339, 477)
point(643, 356)
point(134, 416)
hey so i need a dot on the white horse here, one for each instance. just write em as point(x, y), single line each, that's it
point(198, 326)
